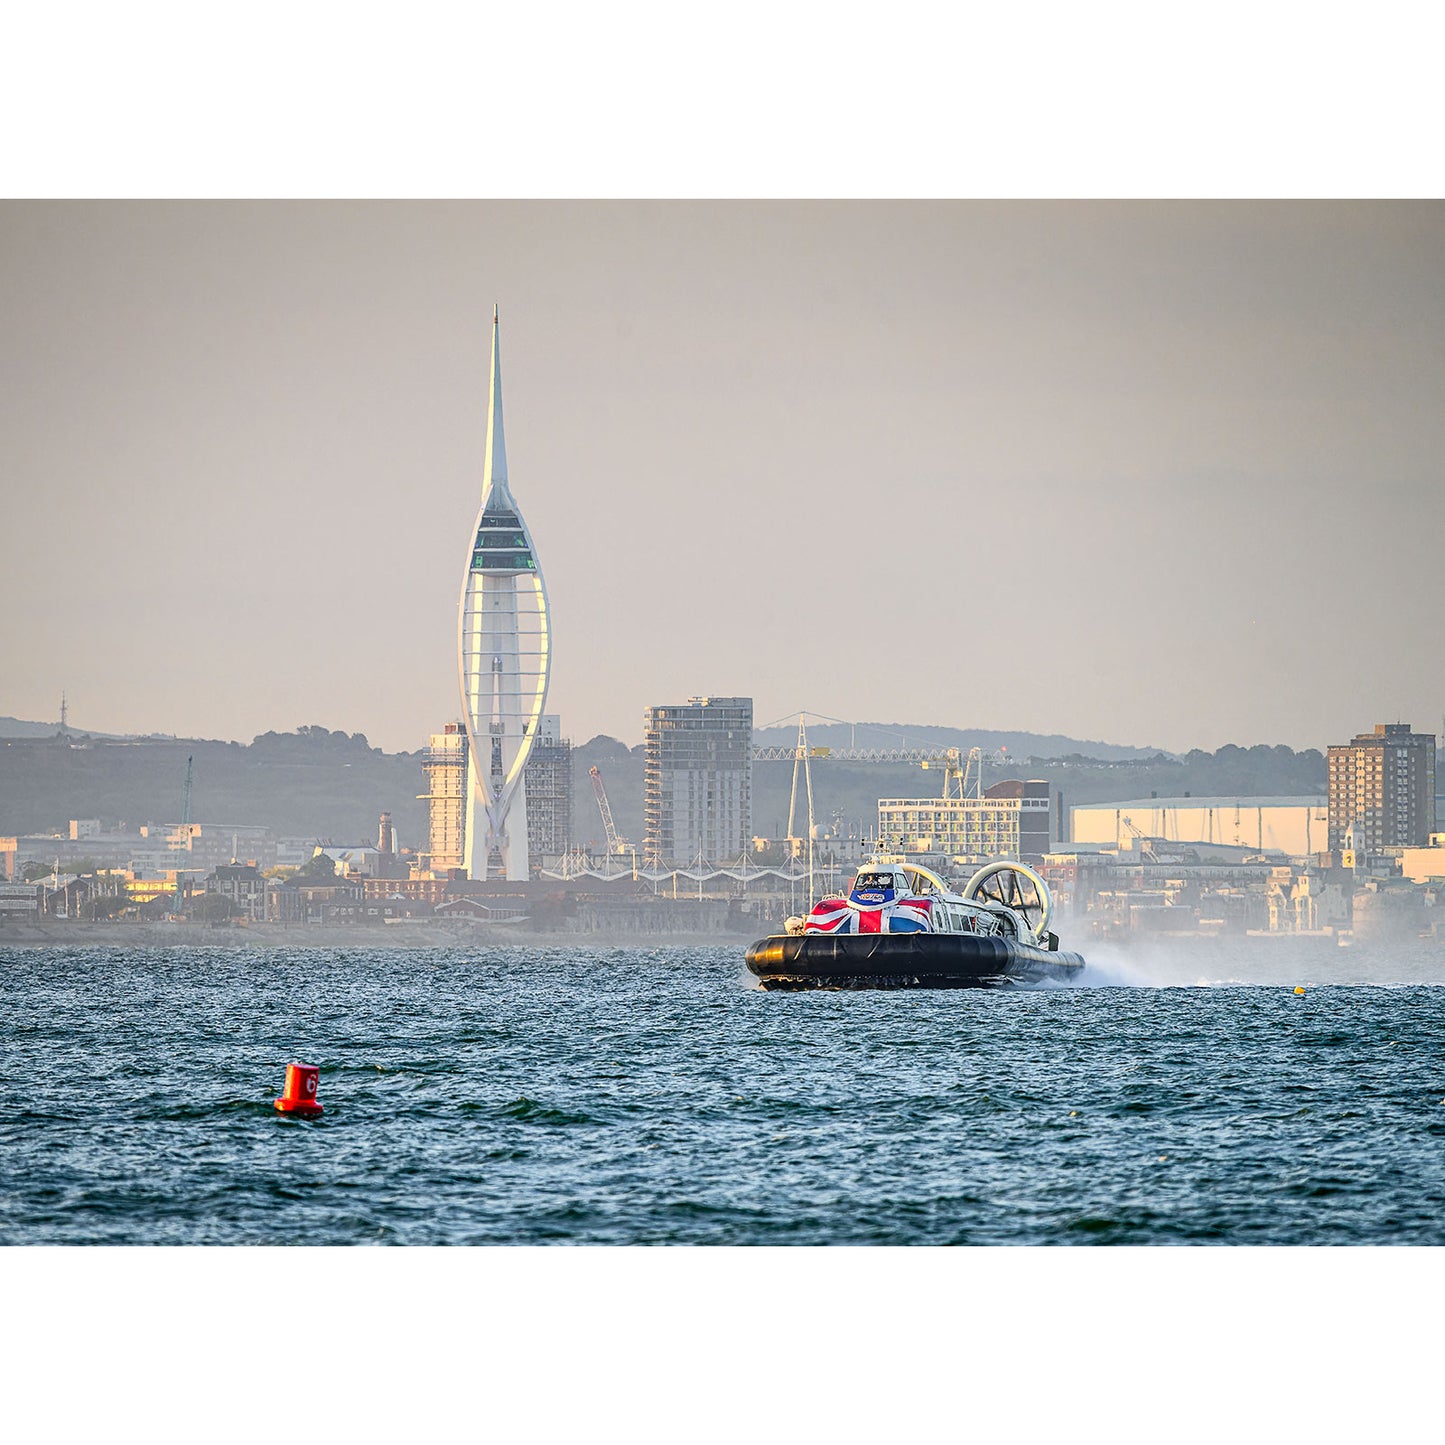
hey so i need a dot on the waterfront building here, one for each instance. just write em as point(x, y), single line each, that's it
point(1190, 890)
point(504, 662)
point(697, 781)
point(19, 900)
point(1012, 819)
point(1425, 865)
point(243, 885)
point(1382, 789)
point(1294, 826)
point(173, 888)
point(300, 901)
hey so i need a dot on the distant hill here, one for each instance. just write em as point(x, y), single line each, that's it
point(916, 735)
point(314, 783)
point(310, 784)
point(834, 735)
point(14, 727)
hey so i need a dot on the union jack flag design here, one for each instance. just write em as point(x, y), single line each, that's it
point(843, 915)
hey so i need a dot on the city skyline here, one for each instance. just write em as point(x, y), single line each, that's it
point(1156, 474)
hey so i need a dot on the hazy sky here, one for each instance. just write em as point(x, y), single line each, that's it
point(1152, 473)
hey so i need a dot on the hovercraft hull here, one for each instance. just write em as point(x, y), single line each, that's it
point(904, 960)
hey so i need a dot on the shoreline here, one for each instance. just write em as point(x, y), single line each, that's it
point(265, 937)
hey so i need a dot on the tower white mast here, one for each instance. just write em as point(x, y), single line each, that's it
point(504, 660)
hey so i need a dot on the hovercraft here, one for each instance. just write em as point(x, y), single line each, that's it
point(901, 926)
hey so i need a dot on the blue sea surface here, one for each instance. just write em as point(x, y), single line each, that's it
point(632, 1096)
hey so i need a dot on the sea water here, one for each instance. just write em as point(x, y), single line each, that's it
point(636, 1096)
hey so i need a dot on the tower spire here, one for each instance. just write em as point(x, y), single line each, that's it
point(494, 470)
point(504, 659)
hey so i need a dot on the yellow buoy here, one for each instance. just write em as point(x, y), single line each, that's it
point(1298, 989)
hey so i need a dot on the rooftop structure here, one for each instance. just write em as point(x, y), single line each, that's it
point(504, 661)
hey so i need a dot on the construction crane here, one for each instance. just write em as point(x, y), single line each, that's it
point(616, 847)
point(186, 804)
point(614, 843)
point(1142, 841)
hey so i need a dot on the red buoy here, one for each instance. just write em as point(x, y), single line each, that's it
point(299, 1095)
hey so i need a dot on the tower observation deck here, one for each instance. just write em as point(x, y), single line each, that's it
point(504, 661)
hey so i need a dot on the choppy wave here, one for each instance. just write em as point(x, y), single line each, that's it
point(609, 1096)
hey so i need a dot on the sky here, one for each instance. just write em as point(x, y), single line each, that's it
point(1156, 473)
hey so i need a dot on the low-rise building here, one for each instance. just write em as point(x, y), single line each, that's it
point(1189, 890)
point(1424, 865)
point(243, 885)
point(426, 891)
point(19, 900)
point(327, 902)
point(283, 902)
point(481, 910)
point(1292, 826)
point(1012, 819)
point(152, 849)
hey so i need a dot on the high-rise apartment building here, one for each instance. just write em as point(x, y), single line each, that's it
point(1383, 785)
point(504, 660)
point(697, 781)
point(445, 763)
point(549, 792)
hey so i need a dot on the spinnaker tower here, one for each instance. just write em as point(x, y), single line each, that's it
point(504, 659)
